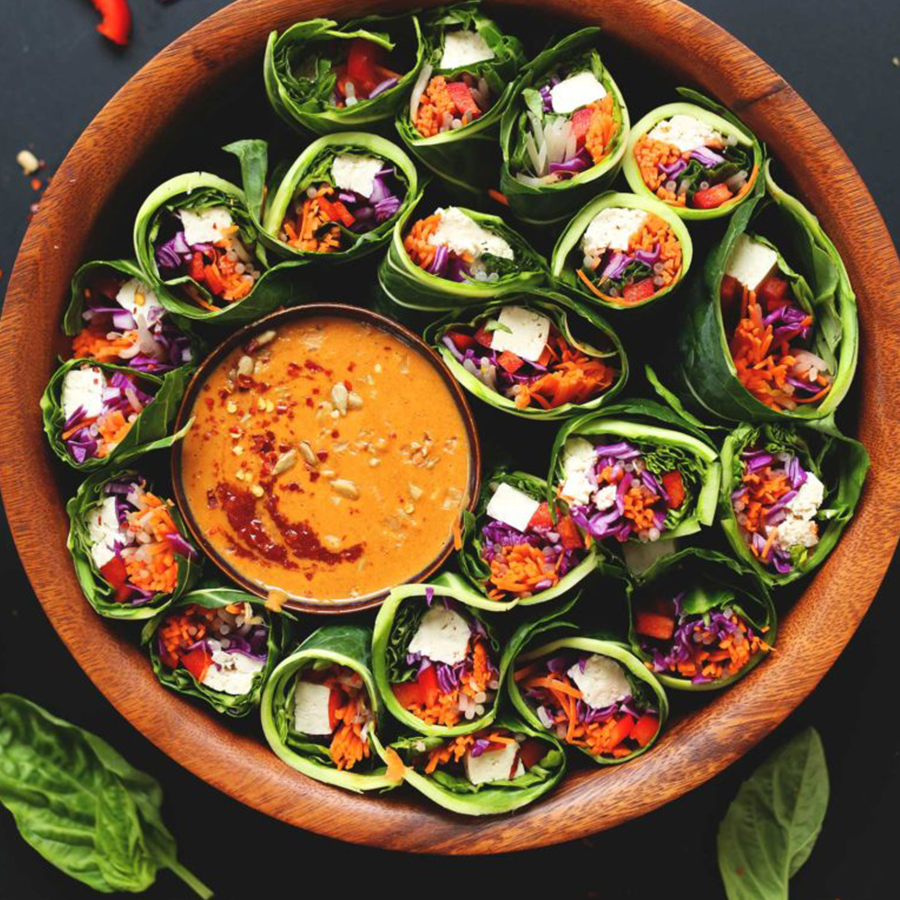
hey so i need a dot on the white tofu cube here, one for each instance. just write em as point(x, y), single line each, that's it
point(796, 533)
point(527, 332)
point(352, 172)
point(750, 262)
point(103, 530)
point(575, 92)
point(494, 765)
point(578, 458)
point(443, 636)
point(233, 673)
point(149, 311)
point(311, 708)
point(602, 682)
point(808, 500)
point(685, 132)
point(205, 226)
point(611, 229)
point(463, 235)
point(463, 48)
point(512, 507)
point(84, 388)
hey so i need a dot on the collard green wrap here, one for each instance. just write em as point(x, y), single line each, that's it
point(345, 645)
point(182, 681)
point(98, 591)
point(710, 581)
point(275, 287)
point(150, 430)
point(395, 626)
point(551, 634)
point(704, 375)
point(545, 204)
point(268, 206)
point(841, 464)
point(468, 157)
point(409, 285)
point(459, 795)
point(568, 256)
point(582, 327)
point(300, 74)
point(473, 564)
point(675, 445)
point(713, 114)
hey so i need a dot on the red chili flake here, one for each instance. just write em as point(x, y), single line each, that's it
point(351, 366)
point(313, 476)
point(245, 382)
point(335, 433)
point(323, 455)
point(313, 366)
point(309, 402)
point(281, 407)
point(36, 184)
point(211, 500)
point(210, 403)
point(348, 385)
point(293, 369)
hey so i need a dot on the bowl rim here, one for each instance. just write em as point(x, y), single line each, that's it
point(697, 747)
point(291, 314)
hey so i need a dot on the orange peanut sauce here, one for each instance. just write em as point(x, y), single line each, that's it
point(329, 461)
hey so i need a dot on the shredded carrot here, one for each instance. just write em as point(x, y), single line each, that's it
point(395, 766)
point(457, 534)
point(496, 195)
point(519, 568)
point(601, 129)
point(416, 241)
point(313, 230)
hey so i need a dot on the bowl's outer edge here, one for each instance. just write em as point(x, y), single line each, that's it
point(814, 631)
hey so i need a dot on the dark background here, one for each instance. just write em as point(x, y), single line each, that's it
point(55, 74)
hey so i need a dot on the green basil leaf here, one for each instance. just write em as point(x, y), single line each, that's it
point(774, 821)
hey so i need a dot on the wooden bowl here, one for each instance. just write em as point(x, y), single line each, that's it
point(274, 320)
point(814, 630)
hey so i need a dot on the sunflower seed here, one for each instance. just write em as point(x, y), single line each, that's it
point(265, 338)
point(340, 397)
point(354, 401)
point(245, 366)
point(308, 454)
point(286, 461)
point(345, 488)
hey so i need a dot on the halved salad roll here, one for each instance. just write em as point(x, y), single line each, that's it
point(115, 316)
point(435, 660)
point(787, 495)
point(564, 133)
point(217, 644)
point(771, 333)
point(700, 621)
point(321, 711)
point(515, 550)
point(97, 413)
point(196, 242)
point(590, 693)
point(696, 157)
point(455, 257)
point(498, 769)
point(534, 358)
point(622, 250)
point(128, 545)
point(338, 201)
point(327, 77)
point(626, 478)
point(451, 122)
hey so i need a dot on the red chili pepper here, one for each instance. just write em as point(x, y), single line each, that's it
point(116, 21)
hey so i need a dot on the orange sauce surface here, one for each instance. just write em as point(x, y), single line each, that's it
point(330, 462)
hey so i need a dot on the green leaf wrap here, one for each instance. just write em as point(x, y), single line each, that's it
point(345, 645)
point(299, 71)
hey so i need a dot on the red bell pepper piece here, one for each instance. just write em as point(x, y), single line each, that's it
point(509, 361)
point(712, 197)
point(336, 211)
point(645, 729)
point(622, 730)
point(197, 661)
point(361, 64)
point(408, 693)
point(531, 752)
point(195, 266)
point(116, 21)
point(674, 486)
point(213, 279)
point(461, 341)
point(484, 337)
point(428, 685)
point(462, 98)
point(580, 121)
point(654, 625)
point(773, 292)
point(569, 535)
point(541, 517)
point(116, 574)
point(638, 291)
point(730, 293)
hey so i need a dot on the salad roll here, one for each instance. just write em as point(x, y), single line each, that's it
point(773, 327)
point(498, 769)
point(534, 358)
point(622, 250)
point(324, 77)
point(321, 711)
point(217, 644)
point(436, 662)
point(338, 201)
point(98, 413)
point(456, 257)
point(196, 242)
point(591, 693)
point(516, 550)
point(115, 316)
point(700, 621)
point(128, 544)
point(787, 494)
point(626, 478)
point(564, 133)
point(451, 123)
point(696, 157)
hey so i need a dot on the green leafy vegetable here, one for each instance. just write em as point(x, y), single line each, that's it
point(149, 430)
point(411, 287)
point(568, 257)
point(581, 326)
point(746, 153)
point(773, 823)
point(532, 198)
point(301, 69)
point(182, 681)
point(343, 645)
point(468, 157)
point(81, 805)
